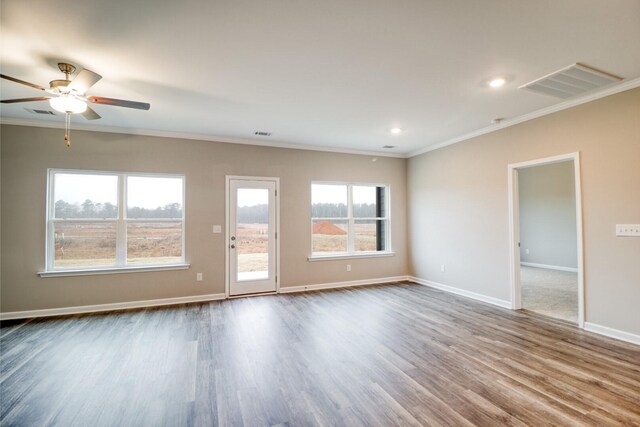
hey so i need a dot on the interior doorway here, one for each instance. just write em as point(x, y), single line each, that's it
point(546, 237)
point(252, 230)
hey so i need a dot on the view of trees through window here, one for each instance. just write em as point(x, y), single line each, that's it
point(85, 220)
point(89, 209)
point(256, 214)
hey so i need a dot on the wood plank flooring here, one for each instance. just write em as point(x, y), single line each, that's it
point(385, 355)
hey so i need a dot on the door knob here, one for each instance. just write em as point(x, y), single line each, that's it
point(233, 237)
point(233, 246)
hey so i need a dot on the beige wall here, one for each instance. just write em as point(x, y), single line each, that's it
point(548, 215)
point(458, 212)
point(27, 152)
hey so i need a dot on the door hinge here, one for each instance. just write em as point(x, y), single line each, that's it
point(276, 191)
point(276, 234)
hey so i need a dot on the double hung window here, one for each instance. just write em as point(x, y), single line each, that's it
point(349, 219)
point(99, 220)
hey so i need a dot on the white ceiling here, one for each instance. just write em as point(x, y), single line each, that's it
point(331, 73)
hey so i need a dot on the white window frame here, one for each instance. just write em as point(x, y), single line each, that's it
point(121, 222)
point(351, 220)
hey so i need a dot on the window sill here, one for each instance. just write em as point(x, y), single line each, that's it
point(113, 270)
point(314, 258)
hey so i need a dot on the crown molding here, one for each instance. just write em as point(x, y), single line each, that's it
point(194, 136)
point(621, 87)
point(612, 90)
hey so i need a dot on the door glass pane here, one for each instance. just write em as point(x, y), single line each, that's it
point(154, 242)
point(252, 234)
point(84, 244)
point(329, 237)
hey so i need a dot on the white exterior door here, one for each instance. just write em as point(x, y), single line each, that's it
point(252, 235)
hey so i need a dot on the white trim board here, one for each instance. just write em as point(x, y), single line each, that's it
point(194, 136)
point(335, 285)
point(610, 90)
point(549, 267)
point(108, 307)
point(469, 294)
point(612, 333)
point(513, 202)
point(588, 326)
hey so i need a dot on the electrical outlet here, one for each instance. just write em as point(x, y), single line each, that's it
point(348, 267)
point(628, 230)
point(526, 251)
point(199, 277)
point(443, 268)
point(217, 229)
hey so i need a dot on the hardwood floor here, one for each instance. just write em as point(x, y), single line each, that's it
point(383, 355)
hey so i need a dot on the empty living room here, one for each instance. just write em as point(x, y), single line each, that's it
point(319, 213)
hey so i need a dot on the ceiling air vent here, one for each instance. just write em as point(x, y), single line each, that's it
point(45, 112)
point(262, 133)
point(573, 80)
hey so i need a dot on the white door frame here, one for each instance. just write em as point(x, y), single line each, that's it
point(227, 275)
point(514, 227)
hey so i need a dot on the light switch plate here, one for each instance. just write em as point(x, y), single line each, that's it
point(628, 230)
point(217, 229)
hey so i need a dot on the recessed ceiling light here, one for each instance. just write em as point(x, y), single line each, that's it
point(396, 131)
point(497, 82)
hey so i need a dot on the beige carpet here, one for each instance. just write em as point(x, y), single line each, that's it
point(550, 292)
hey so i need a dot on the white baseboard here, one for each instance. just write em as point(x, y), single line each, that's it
point(462, 292)
point(108, 307)
point(290, 289)
point(549, 267)
point(612, 333)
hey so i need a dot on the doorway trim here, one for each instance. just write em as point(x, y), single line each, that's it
point(514, 227)
point(227, 222)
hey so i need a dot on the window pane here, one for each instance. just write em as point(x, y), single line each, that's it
point(252, 234)
point(154, 242)
point(364, 201)
point(328, 201)
point(369, 235)
point(82, 244)
point(329, 237)
point(85, 196)
point(154, 197)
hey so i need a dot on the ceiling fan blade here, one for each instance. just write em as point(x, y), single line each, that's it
point(90, 114)
point(119, 102)
point(84, 80)
point(22, 82)
point(12, 101)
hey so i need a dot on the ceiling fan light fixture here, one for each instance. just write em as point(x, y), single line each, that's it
point(68, 104)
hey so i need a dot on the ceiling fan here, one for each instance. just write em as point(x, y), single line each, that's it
point(69, 96)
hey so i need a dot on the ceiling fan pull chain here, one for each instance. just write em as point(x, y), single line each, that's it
point(67, 129)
